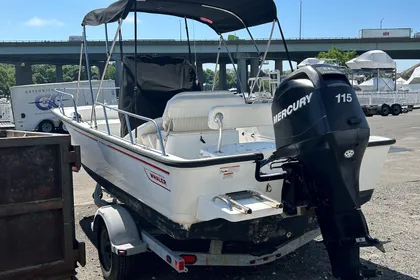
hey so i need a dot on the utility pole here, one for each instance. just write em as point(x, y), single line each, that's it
point(381, 22)
point(300, 28)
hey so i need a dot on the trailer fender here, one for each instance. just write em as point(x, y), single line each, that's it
point(122, 230)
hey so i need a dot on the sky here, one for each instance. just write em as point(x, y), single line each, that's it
point(57, 20)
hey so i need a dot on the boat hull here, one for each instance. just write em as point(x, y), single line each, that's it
point(169, 195)
point(275, 228)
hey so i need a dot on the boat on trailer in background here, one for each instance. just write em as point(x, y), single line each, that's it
point(178, 165)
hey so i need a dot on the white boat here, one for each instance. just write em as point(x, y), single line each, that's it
point(142, 171)
point(186, 161)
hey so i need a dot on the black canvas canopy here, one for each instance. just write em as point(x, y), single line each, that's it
point(159, 78)
point(221, 15)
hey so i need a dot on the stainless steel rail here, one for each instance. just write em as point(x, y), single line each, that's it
point(128, 114)
point(61, 103)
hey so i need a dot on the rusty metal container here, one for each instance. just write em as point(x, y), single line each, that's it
point(37, 227)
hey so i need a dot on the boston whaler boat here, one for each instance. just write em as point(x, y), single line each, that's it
point(177, 164)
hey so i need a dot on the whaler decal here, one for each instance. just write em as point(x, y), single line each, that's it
point(228, 171)
point(292, 108)
point(157, 179)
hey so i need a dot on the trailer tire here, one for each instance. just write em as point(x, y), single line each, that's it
point(113, 266)
point(62, 128)
point(46, 126)
point(396, 109)
point(385, 110)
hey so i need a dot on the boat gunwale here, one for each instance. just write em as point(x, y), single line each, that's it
point(136, 149)
point(185, 163)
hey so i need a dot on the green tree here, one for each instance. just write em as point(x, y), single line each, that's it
point(111, 72)
point(232, 37)
point(94, 74)
point(70, 73)
point(339, 55)
point(7, 79)
point(286, 72)
point(43, 73)
point(208, 76)
point(230, 78)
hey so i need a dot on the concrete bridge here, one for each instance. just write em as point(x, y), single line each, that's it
point(25, 54)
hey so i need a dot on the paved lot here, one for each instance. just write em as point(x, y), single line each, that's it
point(393, 214)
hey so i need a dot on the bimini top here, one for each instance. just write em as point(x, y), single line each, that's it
point(221, 15)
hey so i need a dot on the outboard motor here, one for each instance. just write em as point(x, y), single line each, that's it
point(320, 128)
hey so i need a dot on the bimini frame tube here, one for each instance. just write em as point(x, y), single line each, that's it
point(217, 63)
point(80, 72)
point(264, 57)
point(106, 39)
point(233, 64)
point(243, 23)
point(195, 50)
point(230, 56)
point(121, 44)
point(109, 54)
point(188, 39)
point(285, 44)
point(89, 76)
point(135, 72)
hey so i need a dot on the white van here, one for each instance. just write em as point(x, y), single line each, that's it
point(32, 104)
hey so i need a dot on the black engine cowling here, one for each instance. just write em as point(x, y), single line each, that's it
point(319, 123)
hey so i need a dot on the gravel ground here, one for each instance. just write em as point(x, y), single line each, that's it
point(392, 215)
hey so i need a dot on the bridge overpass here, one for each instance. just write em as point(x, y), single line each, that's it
point(244, 53)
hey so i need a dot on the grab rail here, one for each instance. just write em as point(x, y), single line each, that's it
point(128, 114)
point(125, 113)
point(60, 106)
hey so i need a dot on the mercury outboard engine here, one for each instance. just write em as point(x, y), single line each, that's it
point(320, 127)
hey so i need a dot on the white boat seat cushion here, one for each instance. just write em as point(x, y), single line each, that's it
point(147, 134)
point(189, 111)
point(241, 116)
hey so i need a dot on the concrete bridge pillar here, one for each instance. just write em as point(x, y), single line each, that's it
point(101, 69)
point(59, 73)
point(222, 76)
point(243, 75)
point(23, 74)
point(200, 74)
point(255, 64)
point(279, 65)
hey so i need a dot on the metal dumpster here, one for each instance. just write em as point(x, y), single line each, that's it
point(37, 227)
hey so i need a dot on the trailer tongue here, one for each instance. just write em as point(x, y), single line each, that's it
point(321, 130)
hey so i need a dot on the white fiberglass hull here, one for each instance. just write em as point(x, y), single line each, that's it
point(372, 163)
point(169, 190)
point(183, 191)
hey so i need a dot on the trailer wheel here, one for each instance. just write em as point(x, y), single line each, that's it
point(385, 110)
point(396, 109)
point(113, 266)
point(46, 126)
point(62, 128)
